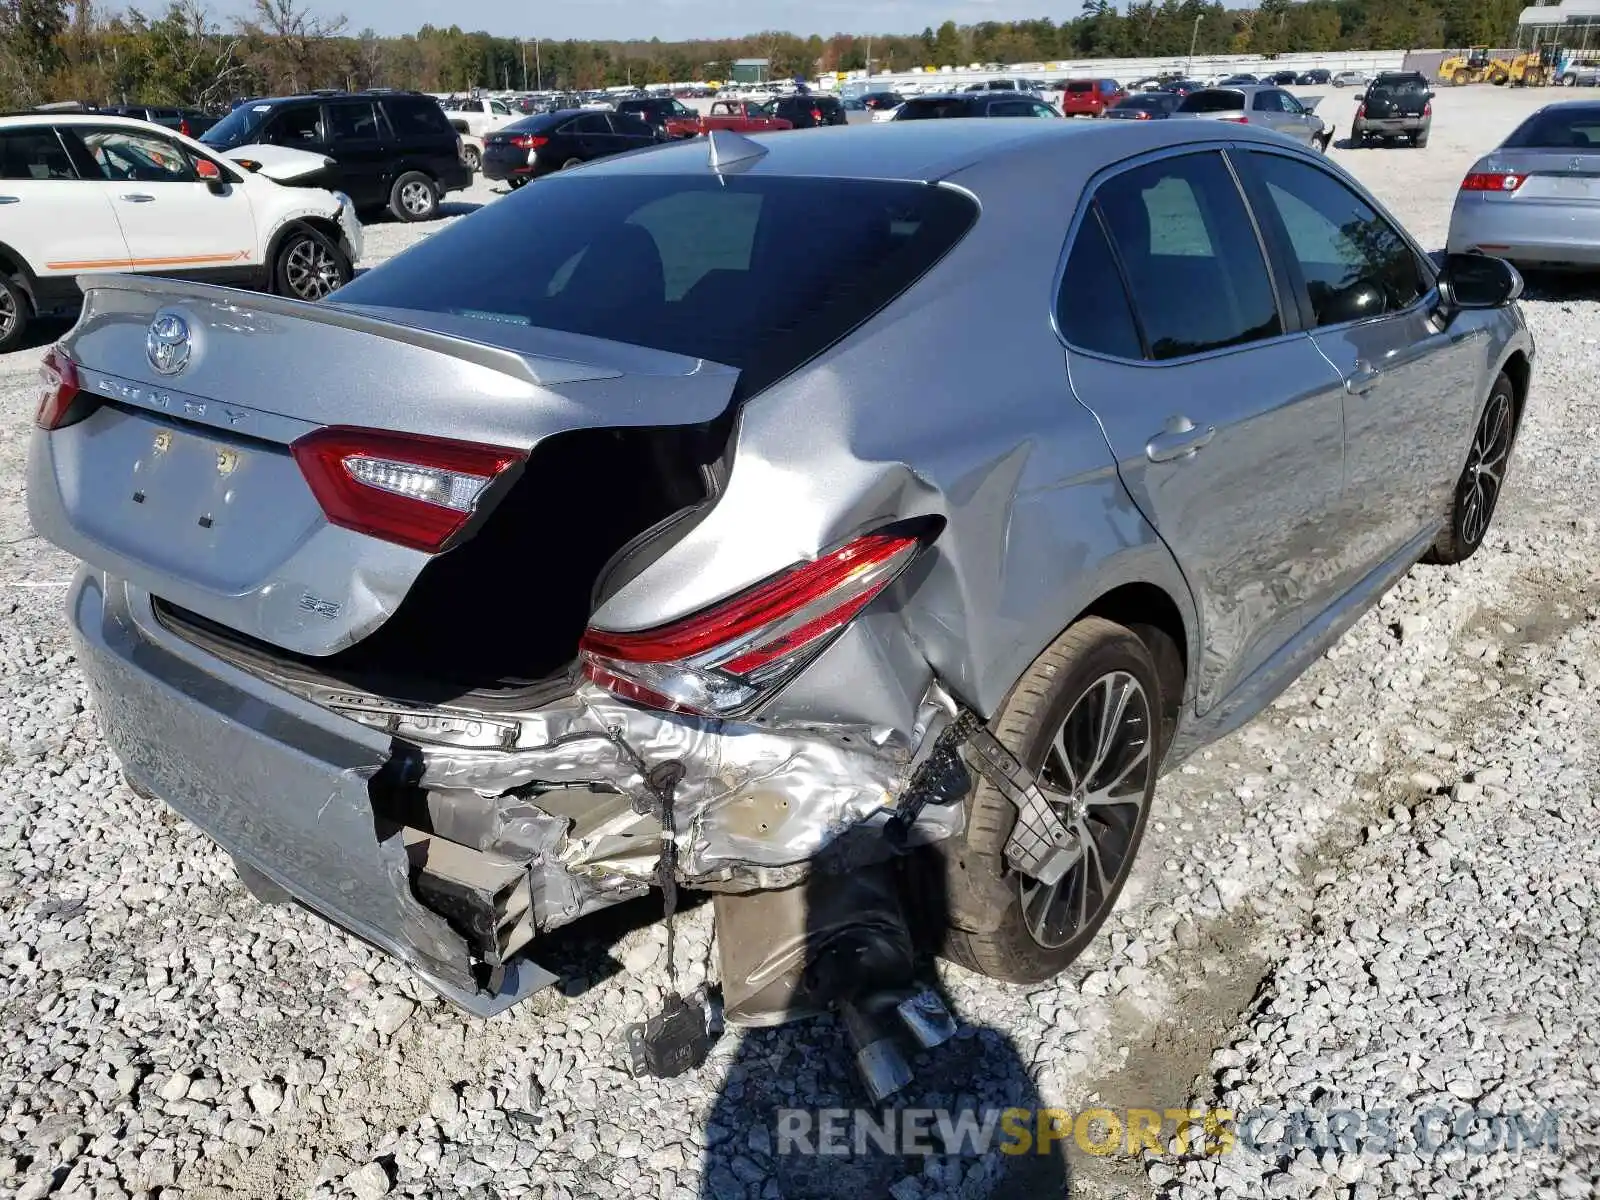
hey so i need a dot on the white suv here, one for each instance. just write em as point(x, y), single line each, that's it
point(86, 193)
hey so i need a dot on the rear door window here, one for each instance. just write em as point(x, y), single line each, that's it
point(757, 272)
point(33, 154)
point(352, 122)
point(1011, 108)
point(1337, 238)
point(411, 116)
point(1194, 265)
point(1092, 305)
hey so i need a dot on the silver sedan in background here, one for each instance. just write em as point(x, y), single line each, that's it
point(1535, 198)
point(1260, 105)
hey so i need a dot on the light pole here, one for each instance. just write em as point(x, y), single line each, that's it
point(1193, 38)
point(538, 64)
point(524, 46)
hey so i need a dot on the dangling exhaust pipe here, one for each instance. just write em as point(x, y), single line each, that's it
point(837, 943)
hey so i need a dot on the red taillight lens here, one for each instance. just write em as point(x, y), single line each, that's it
point(414, 491)
point(528, 141)
point(816, 115)
point(725, 659)
point(1236, 120)
point(58, 388)
point(1427, 108)
point(1361, 111)
point(1492, 181)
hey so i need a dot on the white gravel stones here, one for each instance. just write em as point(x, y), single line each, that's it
point(1401, 851)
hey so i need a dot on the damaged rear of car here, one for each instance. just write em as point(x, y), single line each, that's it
point(529, 574)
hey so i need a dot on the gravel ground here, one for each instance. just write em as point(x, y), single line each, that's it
point(1379, 896)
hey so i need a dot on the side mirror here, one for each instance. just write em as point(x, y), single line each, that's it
point(211, 175)
point(1359, 301)
point(1477, 281)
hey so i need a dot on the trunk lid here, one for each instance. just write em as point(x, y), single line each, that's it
point(185, 485)
point(1569, 176)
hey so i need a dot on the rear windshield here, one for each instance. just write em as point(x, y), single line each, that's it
point(926, 110)
point(1204, 102)
point(1558, 128)
point(1081, 85)
point(757, 272)
point(1400, 87)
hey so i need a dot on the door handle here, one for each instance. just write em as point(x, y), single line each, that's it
point(137, 197)
point(10, 199)
point(1362, 380)
point(1180, 439)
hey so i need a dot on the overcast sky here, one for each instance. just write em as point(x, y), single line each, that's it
point(673, 19)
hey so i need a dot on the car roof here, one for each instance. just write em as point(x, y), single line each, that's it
point(22, 120)
point(929, 151)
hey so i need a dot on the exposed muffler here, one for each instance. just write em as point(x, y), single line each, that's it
point(837, 943)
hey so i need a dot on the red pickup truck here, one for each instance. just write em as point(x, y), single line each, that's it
point(1090, 97)
point(736, 116)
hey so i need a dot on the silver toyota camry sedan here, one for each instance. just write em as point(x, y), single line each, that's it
point(852, 524)
point(1535, 198)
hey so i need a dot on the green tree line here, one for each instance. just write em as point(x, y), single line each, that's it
point(73, 50)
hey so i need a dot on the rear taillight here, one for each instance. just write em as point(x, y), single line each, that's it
point(1236, 120)
point(414, 491)
point(58, 389)
point(1492, 181)
point(1427, 108)
point(1361, 111)
point(726, 659)
point(183, 128)
point(816, 115)
point(527, 141)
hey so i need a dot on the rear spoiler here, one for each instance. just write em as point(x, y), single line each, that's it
point(495, 358)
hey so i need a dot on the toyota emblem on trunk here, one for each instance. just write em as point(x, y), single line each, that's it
point(168, 344)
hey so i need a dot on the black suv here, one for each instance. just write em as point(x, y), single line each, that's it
point(807, 112)
point(394, 150)
point(974, 104)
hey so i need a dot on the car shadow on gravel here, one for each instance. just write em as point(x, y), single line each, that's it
point(794, 1119)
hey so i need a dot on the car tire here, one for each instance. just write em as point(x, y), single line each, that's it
point(472, 158)
point(516, 181)
point(1569, 80)
point(572, 164)
point(309, 265)
point(414, 197)
point(1059, 698)
point(16, 314)
point(1420, 142)
point(1477, 490)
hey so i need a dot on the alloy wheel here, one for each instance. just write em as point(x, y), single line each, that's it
point(416, 198)
point(8, 313)
point(311, 270)
point(1096, 777)
point(1480, 485)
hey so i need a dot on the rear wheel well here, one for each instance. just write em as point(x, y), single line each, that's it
point(1151, 614)
point(13, 268)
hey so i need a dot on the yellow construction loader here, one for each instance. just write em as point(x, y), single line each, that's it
point(1466, 66)
point(1524, 70)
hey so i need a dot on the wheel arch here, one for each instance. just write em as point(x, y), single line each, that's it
point(1155, 618)
point(15, 266)
point(1519, 369)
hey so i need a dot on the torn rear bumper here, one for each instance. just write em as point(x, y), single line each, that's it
point(281, 785)
point(454, 857)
